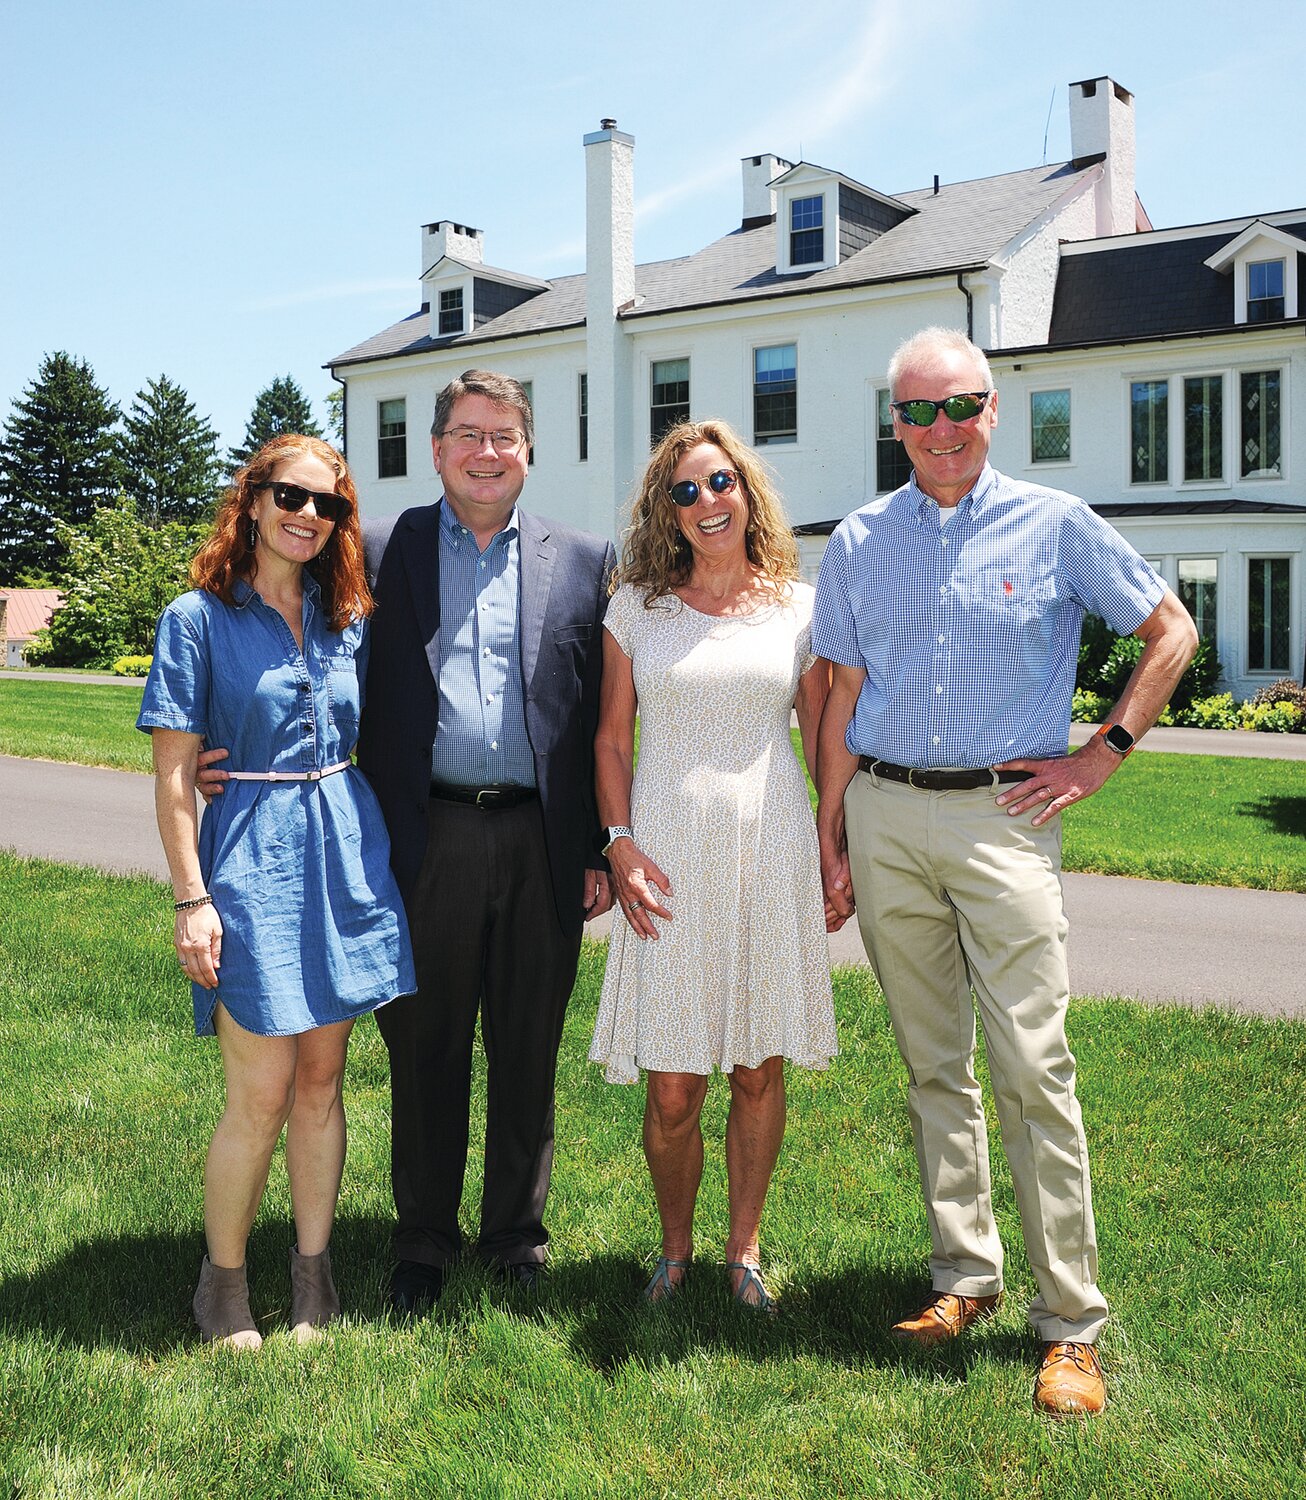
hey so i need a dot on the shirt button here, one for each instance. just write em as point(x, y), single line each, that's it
point(940, 640)
point(494, 744)
point(482, 562)
point(489, 697)
point(936, 739)
point(943, 540)
point(486, 651)
point(303, 687)
point(938, 687)
point(943, 588)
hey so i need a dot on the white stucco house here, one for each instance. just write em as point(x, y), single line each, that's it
point(1154, 372)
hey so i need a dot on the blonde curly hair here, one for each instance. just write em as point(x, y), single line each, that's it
point(656, 557)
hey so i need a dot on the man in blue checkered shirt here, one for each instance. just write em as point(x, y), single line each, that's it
point(951, 611)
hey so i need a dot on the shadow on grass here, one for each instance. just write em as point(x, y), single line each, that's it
point(1283, 814)
point(133, 1293)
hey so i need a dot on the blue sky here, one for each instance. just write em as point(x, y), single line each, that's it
point(224, 192)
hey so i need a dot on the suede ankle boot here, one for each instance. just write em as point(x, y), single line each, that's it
point(221, 1306)
point(313, 1300)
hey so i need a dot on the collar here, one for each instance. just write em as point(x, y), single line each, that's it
point(916, 502)
point(455, 531)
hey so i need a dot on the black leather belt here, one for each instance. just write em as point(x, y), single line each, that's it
point(487, 798)
point(938, 780)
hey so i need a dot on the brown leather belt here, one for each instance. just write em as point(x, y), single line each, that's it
point(938, 779)
point(487, 798)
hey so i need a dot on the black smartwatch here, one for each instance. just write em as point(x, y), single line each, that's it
point(1118, 738)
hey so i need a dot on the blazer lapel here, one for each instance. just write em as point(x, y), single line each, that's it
point(537, 556)
point(421, 555)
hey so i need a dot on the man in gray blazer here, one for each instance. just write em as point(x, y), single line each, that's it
point(481, 702)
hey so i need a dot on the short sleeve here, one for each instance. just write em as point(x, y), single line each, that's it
point(624, 609)
point(177, 689)
point(802, 606)
point(1106, 575)
point(834, 630)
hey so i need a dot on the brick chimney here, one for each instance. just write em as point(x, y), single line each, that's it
point(1102, 123)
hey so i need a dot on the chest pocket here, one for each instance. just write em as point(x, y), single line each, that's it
point(999, 593)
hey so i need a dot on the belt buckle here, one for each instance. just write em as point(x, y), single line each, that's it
point(912, 782)
point(487, 798)
point(313, 776)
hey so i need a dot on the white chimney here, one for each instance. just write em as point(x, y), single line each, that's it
point(759, 201)
point(447, 238)
point(1102, 123)
point(609, 287)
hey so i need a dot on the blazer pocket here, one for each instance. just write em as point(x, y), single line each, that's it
point(566, 634)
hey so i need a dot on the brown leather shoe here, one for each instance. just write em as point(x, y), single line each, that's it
point(947, 1316)
point(1070, 1381)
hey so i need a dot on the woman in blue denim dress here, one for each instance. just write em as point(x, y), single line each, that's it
point(289, 923)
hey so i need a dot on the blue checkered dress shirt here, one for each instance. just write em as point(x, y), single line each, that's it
point(969, 633)
point(481, 737)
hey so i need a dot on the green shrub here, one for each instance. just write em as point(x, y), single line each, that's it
point(1272, 718)
point(1095, 642)
point(1120, 662)
point(1088, 708)
point(1215, 712)
point(1203, 672)
point(133, 666)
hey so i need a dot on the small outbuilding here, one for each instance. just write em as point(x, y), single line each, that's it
point(22, 613)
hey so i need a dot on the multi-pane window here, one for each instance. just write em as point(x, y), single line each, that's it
point(391, 439)
point(775, 394)
point(1267, 614)
point(1264, 290)
point(892, 466)
point(583, 417)
point(1203, 427)
point(1149, 426)
point(1197, 585)
point(1261, 456)
point(1049, 425)
point(807, 231)
point(451, 311)
point(668, 396)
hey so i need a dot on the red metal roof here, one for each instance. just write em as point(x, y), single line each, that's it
point(27, 610)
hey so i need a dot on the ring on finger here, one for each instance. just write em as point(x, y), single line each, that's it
point(637, 906)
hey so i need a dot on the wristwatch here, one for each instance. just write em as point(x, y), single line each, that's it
point(609, 836)
point(1118, 738)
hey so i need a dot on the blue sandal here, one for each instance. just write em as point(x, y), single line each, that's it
point(662, 1287)
point(752, 1280)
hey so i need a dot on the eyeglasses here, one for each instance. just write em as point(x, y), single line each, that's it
point(294, 497)
point(505, 440)
point(720, 482)
point(963, 408)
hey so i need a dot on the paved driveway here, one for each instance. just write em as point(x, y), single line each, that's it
point(1150, 940)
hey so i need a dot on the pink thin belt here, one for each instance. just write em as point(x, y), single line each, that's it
point(342, 765)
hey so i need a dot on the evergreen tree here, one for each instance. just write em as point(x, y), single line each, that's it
point(280, 407)
point(169, 455)
point(58, 461)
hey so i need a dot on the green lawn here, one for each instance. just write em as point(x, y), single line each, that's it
point(1197, 1124)
point(1202, 819)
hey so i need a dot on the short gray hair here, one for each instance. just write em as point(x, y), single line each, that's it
point(503, 390)
point(920, 346)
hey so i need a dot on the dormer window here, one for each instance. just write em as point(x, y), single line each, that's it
point(1265, 295)
point(451, 311)
point(807, 231)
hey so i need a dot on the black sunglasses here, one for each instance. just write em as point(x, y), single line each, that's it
point(721, 482)
point(294, 497)
point(963, 408)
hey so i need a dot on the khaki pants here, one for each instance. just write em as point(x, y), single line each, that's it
point(952, 893)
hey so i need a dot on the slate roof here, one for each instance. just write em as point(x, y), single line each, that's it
point(1146, 289)
point(960, 227)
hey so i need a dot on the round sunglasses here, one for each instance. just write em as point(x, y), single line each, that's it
point(720, 482)
point(962, 408)
point(294, 497)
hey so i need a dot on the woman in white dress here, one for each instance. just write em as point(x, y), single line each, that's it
point(721, 960)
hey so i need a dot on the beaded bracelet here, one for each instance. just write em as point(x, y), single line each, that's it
point(192, 903)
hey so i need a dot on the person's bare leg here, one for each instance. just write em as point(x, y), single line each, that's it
point(260, 1078)
point(754, 1131)
point(673, 1148)
point(315, 1133)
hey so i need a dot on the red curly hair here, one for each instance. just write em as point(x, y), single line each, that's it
point(228, 554)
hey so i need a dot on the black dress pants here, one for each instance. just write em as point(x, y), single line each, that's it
point(486, 937)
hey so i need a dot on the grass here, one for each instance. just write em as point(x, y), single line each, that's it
point(1197, 1123)
point(1201, 819)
